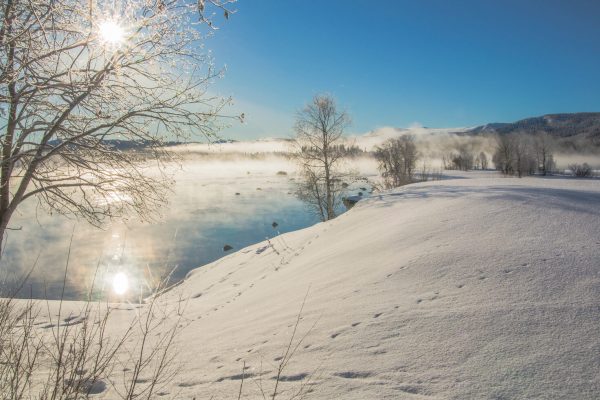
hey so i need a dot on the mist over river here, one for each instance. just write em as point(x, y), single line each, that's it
point(214, 203)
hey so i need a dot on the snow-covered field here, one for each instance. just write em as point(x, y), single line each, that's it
point(478, 287)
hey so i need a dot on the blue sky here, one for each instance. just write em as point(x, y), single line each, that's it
point(438, 63)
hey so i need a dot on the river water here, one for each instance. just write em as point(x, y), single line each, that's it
point(213, 204)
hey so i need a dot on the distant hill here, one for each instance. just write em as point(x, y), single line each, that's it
point(127, 145)
point(581, 125)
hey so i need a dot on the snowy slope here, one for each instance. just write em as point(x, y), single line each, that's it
point(484, 288)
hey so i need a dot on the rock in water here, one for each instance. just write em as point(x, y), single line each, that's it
point(274, 224)
point(227, 247)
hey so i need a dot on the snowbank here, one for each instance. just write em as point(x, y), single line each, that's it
point(485, 288)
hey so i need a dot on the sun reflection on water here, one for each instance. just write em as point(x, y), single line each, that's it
point(120, 283)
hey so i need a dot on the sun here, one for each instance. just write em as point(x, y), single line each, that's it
point(111, 32)
point(120, 283)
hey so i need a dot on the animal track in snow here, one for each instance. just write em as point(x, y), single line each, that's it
point(261, 249)
point(291, 378)
point(353, 374)
point(187, 384)
point(237, 377)
point(409, 389)
point(85, 386)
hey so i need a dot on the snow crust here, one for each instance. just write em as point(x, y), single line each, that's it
point(480, 288)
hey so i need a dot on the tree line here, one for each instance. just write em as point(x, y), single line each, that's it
point(320, 151)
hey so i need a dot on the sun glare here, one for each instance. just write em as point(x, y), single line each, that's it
point(120, 283)
point(111, 32)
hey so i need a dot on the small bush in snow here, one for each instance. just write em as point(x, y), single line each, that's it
point(581, 170)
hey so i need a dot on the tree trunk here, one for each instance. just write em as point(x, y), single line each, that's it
point(4, 218)
point(328, 194)
point(7, 163)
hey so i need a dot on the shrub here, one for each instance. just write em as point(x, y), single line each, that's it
point(580, 170)
point(73, 356)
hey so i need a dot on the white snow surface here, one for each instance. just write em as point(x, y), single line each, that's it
point(478, 288)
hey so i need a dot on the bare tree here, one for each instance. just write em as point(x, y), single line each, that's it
point(543, 153)
point(581, 170)
point(525, 163)
point(397, 159)
point(504, 155)
point(482, 161)
point(520, 152)
point(75, 77)
point(319, 128)
point(515, 154)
